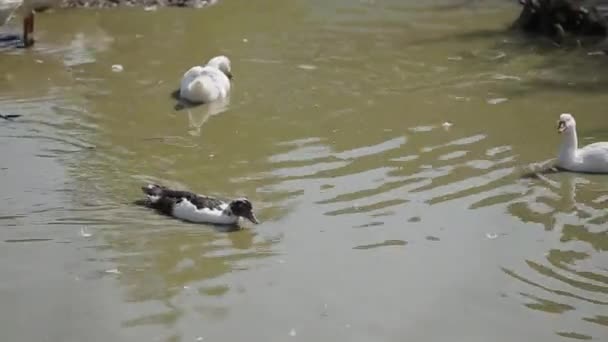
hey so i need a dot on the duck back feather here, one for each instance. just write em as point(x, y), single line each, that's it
point(204, 84)
point(188, 206)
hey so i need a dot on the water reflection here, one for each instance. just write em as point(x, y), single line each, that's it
point(572, 206)
point(175, 260)
point(89, 41)
point(198, 116)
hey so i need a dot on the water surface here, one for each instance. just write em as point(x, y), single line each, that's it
point(380, 222)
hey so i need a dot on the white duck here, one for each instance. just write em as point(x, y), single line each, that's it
point(191, 207)
point(592, 158)
point(26, 8)
point(203, 84)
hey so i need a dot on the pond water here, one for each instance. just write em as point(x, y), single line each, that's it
point(381, 221)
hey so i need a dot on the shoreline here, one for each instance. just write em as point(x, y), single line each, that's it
point(152, 4)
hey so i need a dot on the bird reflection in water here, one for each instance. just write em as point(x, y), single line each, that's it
point(198, 116)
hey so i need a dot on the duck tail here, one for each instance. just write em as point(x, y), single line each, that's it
point(200, 90)
point(159, 198)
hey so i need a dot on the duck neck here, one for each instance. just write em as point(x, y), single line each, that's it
point(567, 150)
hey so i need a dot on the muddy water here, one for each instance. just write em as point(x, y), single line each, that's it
point(380, 222)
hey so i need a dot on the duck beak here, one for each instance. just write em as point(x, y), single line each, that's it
point(229, 75)
point(561, 127)
point(251, 217)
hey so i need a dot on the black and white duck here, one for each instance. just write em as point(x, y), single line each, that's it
point(192, 207)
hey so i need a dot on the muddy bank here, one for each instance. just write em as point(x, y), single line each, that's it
point(133, 3)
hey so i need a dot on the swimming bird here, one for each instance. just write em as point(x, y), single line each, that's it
point(191, 207)
point(203, 84)
point(592, 158)
point(26, 8)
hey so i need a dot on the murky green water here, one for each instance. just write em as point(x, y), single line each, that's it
point(379, 224)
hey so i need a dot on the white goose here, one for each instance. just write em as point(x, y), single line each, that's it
point(25, 8)
point(203, 84)
point(592, 158)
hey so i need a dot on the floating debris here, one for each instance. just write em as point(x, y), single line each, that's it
point(150, 8)
point(454, 58)
point(596, 53)
point(200, 338)
point(39, 61)
point(307, 67)
point(292, 333)
point(446, 125)
point(497, 100)
point(113, 271)
point(85, 233)
point(491, 236)
point(117, 68)
point(245, 40)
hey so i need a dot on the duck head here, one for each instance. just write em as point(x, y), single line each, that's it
point(565, 123)
point(243, 208)
point(222, 63)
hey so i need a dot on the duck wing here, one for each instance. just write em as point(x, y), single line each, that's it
point(598, 146)
point(595, 156)
point(159, 193)
point(189, 75)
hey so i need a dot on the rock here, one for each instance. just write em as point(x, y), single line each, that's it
point(559, 19)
